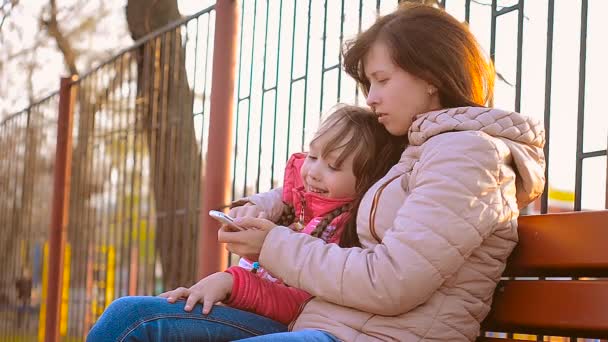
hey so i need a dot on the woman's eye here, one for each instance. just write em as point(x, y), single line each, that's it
point(383, 81)
point(311, 157)
point(333, 168)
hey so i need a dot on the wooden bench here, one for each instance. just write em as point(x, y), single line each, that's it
point(573, 245)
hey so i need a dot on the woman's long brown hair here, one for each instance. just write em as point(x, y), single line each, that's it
point(431, 45)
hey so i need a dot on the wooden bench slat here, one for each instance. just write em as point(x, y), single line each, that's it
point(557, 308)
point(561, 245)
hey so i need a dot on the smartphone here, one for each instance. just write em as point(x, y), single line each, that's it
point(225, 219)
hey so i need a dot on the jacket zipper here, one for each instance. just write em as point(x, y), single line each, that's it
point(299, 224)
point(372, 214)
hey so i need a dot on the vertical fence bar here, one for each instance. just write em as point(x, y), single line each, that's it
point(339, 66)
point(263, 91)
point(520, 39)
point(61, 193)
point(203, 114)
point(276, 94)
point(544, 203)
point(249, 95)
point(238, 103)
point(359, 22)
point(580, 127)
point(190, 212)
point(493, 41)
point(291, 79)
point(323, 69)
point(211, 257)
point(137, 261)
point(89, 109)
point(306, 74)
point(77, 189)
point(86, 111)
point(132, 227)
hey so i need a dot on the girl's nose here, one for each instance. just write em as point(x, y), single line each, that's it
point(314, 173)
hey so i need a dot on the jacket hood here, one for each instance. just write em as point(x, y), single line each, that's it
point(524, 136)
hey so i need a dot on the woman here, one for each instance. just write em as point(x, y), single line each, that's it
point(435, 231)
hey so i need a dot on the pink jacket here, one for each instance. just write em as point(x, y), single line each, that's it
point(436, 232)
point(308, 206)
point(260, 293)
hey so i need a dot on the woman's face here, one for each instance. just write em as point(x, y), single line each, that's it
point(395, 95)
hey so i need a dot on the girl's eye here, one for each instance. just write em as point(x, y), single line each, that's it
point(333, 168)
point(311, 157)
point(383, 81)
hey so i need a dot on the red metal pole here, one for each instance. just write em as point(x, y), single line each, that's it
point(212, 257)
point(60, 206)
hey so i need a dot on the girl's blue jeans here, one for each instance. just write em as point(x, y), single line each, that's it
point(154, 319)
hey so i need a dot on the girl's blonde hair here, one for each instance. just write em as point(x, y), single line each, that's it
point(355, 130)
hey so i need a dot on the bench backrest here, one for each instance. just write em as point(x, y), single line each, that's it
point(556, 245)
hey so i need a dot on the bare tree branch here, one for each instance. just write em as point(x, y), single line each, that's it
point(7, 13)
point(86, 24)
point(64, 45)
point(31, 67)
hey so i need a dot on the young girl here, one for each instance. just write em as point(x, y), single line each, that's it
point(350, 151)
point(321, 191)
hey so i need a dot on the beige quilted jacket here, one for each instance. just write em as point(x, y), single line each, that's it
point(436, 232)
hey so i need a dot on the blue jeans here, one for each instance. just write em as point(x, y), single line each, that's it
point(154, 319)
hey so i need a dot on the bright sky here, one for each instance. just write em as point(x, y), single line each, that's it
point(564, 103)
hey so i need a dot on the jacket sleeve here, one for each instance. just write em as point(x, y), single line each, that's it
point(270, 201)
point(442, 221)
point(261, 296)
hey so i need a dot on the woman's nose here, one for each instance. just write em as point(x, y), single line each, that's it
point(372, 98)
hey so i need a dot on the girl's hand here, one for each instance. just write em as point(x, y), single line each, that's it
point(247, 243)
point(247, 210)
point(209, 290)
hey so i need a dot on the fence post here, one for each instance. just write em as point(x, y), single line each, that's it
point(60, 206)
point(212, 257)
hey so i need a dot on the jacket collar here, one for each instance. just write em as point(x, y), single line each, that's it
point(315, 205)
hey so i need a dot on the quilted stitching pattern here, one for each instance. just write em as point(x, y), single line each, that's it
point(495, 122)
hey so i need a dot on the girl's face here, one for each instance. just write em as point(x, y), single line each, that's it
point(395, 95)
point(323, 177)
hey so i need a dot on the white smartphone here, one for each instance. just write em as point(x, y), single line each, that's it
point(225, 219)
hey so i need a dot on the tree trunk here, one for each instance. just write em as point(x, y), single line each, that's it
point(164, 103)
